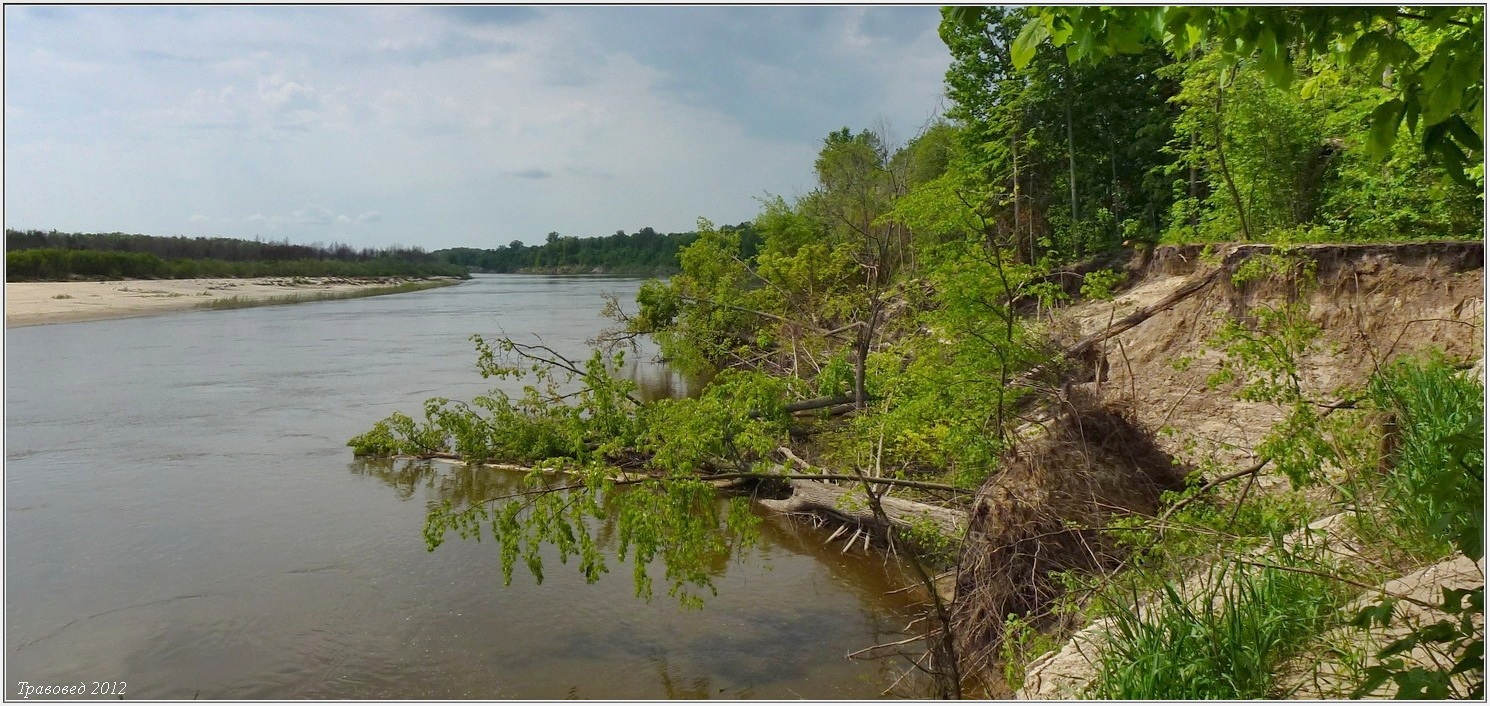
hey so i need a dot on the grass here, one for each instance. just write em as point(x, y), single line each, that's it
point(237, 302)
point(62, 296)
point(1436, 487)
point(1226, 639)
point(1221, 644)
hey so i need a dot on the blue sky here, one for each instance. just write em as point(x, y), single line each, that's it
point(440, 127)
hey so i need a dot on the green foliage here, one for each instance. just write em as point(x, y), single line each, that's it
point(1290, 166)
point(739, 418)
point(1437, 89)
point(645, 252)
point(38, 255)
point(836, 378)
point(1210, 124)
point(1221, 643)
point(701, 317)
point(1069, 154)
point(581, 419)
point(1021, 644)
point(1460, 639)
point(944, 407)
point(1262, 349)
point(546, 422)
point(1100, 284)
point(53, 264)
point(1437, 480)
point(1435, 491)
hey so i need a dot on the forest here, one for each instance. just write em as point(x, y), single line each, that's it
point(899, 329)
point(50, 255)
point(645, 252)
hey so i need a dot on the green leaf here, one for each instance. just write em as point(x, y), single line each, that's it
point(1385, 120)
point(1473, 657)
point(1028, 41)
point(1398, 647)
point(968, 16)
point(1375, 677)
point(1381, 614)
point(1453, 599)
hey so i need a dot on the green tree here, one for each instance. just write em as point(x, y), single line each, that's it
point(1436, 87)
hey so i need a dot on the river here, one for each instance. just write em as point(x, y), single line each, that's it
point(182, 514)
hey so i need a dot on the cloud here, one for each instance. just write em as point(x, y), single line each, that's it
point(448, 46)
point(313, 215)
point(786, 72)
point(281, 94)
point(489, 15)
point(152, 55)
point(199, 218)
point(483, 123)
point(533, 173)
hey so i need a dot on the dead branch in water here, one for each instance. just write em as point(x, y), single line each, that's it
point(835, 501)
point(774, 473)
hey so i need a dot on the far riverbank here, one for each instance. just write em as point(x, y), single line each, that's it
point(36, 303)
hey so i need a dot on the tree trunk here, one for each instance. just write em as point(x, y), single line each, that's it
point(1071, 162)
point(1014, 148)
point(1236, 198)
point(846, 503)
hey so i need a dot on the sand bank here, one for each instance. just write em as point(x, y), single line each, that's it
point(32, 303)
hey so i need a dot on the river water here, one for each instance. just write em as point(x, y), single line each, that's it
point(182, 514)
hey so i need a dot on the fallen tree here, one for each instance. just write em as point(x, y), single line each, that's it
point(847, 504)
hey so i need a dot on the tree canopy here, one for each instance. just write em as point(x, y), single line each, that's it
point(1430, 59)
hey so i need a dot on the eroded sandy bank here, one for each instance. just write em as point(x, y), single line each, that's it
point(33, 303)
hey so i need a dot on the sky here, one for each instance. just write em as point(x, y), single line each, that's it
point(441, 126)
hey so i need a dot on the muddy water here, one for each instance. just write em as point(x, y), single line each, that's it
point(182, 514)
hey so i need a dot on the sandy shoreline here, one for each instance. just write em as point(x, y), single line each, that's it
point(34, 303)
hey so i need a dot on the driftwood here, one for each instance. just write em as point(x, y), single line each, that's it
point(847, 503)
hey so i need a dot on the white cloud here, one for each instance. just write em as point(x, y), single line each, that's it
point(281, 94)
point(480, 127)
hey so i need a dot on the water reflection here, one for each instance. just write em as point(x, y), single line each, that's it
point(404, 477)
point(657, 381)
point(234, 554)
point(772, 629)
point(463, 485)
point(678, 686)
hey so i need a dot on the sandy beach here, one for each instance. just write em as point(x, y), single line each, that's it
point(33, 303)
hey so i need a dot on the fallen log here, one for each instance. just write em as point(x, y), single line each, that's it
point(818, 403)
point(848, 504)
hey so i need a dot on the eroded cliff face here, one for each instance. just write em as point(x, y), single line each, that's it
point(1370, 304)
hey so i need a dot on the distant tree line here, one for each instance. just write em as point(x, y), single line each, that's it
point(643, 252)
point(50, 255)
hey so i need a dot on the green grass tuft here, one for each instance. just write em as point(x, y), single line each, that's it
point(1223, 643)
